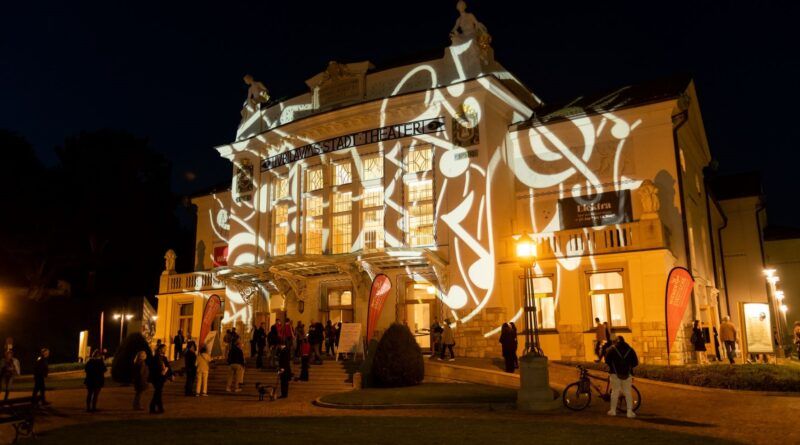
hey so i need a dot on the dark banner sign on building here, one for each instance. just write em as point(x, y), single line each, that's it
point(416, 128)
point(600, 210)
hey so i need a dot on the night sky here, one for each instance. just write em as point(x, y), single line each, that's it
point(172, 71)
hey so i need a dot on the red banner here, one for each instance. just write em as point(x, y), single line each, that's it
point(210, 313)
point(679, 290)
point(381, 286)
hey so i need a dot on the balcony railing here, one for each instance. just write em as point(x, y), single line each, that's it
point(188, 282)
point(638, 235)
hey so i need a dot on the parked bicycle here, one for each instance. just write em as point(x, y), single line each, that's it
point(578, 395)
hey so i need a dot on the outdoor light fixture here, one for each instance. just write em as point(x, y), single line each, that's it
point(769, 272)
point(526, 254)
point(779, 295)
point(784, 308)
point(122, 318)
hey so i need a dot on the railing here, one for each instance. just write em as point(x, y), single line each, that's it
point(639, 235)
point(187, 282)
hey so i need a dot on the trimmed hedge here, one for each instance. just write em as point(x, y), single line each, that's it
point(398, 359)
point(122, 366)
point(752, 377)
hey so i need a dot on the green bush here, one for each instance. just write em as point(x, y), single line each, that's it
point(754, 377)
point(398, 359)
point(122, 366)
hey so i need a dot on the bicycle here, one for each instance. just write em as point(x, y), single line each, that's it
point(578, 395)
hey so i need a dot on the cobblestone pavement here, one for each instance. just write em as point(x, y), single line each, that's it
point(746, 418)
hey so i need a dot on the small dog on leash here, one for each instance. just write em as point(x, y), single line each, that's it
point(265, 391)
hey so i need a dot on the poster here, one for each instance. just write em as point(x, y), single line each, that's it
point(678, 293)
point(350, 339)
point(381, 286)
point(599, 210)
point(757, 328)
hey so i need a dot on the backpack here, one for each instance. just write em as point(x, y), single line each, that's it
point(622, 367)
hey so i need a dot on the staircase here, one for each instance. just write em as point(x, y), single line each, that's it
point(329, 377)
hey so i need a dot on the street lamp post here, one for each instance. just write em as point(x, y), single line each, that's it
point(122, 318)
point(776, 303)
point(534, 392)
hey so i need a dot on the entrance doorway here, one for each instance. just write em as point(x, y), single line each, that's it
point(420, 309)
point(339, 305)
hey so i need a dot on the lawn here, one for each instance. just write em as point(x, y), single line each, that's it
point(359, 430)
point(427, 393)
point(755, 377)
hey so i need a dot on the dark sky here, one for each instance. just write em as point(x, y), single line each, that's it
point(171, 71)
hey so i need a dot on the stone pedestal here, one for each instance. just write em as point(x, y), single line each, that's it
point(534, 392)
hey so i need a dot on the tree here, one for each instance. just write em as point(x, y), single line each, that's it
point(122, 365)
point(398, 359)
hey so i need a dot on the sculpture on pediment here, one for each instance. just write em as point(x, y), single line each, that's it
point(169, 262)
point(256, 94)
point(648, 193)
point(467, 28)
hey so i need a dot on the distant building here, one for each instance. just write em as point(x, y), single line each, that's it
point(426, 173)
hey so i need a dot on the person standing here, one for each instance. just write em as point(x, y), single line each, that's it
point(337, 334)
point(40, 371)
point(436, 337)
point(141, 374)
point(727, 333)
point(621, 360)
point(260, 336)
point(699, 342)
point(190, 341)
point(9, 368)
point(95, 370)
point(273, 340)
point(448, 341)
point(516, 343)
point(236, 364)
point(226, 343)
point(329, 334)
point(160, 372)
point(305, 358)
point(299, 334)
point(507, 345)
point(203, 367)
point(190, 366)
point(177, 341)
point(599, 338)
point(285, 369)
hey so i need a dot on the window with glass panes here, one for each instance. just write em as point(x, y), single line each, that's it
point(342, 173)
point(419, 159)
point(313, 224)
point(314, 179)
point(280, 212)
point(372, 217)
point(372, 167)
point(342, 222)
point(419, 208)
point(607, 293)
point(545, 300)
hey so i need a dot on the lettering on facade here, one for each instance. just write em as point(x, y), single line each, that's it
point(366, 137)
point(599, 210)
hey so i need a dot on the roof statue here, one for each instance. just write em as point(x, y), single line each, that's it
point(256, 94)
point(467, 28)
point(169, 262)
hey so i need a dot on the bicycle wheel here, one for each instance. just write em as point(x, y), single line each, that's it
point(622, 405)
point(575, 398)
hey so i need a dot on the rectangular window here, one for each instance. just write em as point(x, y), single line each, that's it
point(544, 299)
point(281, 229)
point(338, 298)
point(607, 292)
point(372, 167)
point(342, 173)
point(185, 312)
point(314, 179)
point(419, 207)
point(313, 219)
point(281, 188)
point(419, 159)
point(342, 222)
point(372, 218)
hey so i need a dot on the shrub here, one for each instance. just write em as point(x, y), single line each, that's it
point(398, 359)
point(754, 377)
point(122, 366)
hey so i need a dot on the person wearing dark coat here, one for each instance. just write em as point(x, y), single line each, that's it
point(621, 360)
point(698, 340)
point(273, 340)
point(190, 366)
point(95, 370)
point(285, 366)
point(178, 342)
point(516, 343)
point(160, 372)
point(260, 337)
point(508, 347)
point(141, 374)
point(329, 334)
point(40, 371)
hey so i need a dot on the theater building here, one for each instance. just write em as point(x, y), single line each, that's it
point(427, 173)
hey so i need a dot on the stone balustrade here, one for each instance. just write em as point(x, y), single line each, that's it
point(188, 282)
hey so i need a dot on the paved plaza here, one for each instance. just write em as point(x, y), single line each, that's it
point(742, 417)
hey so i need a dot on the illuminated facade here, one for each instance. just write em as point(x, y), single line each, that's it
point(427, 172)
